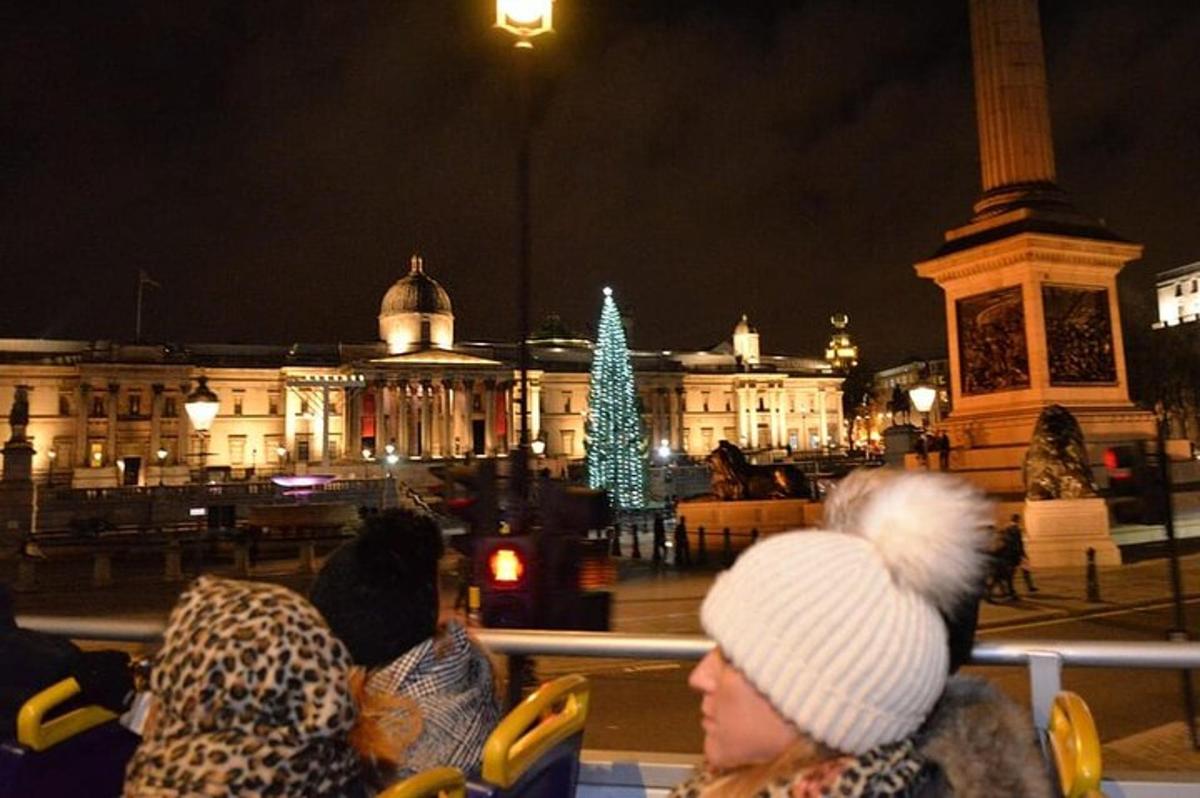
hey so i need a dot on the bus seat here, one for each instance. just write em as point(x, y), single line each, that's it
point(534, 751)
point(1075, 747)
point(433, 783)
point(81, 752)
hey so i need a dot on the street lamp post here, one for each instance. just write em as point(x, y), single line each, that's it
point(281, 453)
point(201, 406)
point(525, 20)
point(52, 455)
point(161, 454)
point(923, 395)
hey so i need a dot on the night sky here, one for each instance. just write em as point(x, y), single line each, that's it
point(273, 164)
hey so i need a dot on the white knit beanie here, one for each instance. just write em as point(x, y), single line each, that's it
point(841, 629)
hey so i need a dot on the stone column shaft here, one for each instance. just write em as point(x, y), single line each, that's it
point(1015, 143)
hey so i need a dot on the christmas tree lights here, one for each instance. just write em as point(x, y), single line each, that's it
point(616, 447)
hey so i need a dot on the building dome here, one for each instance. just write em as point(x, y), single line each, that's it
point(416, 292)
point(416, 312)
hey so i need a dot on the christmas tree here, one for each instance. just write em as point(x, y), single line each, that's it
point(616, 448)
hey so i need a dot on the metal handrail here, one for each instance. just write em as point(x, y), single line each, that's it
point(1072, 653)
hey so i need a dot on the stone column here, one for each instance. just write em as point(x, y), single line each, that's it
point(352, 422)
point(489, 417)
point(1015, 143)
point(535, 408)
point(156, 403)
point(426, 420)
point(83, 412)
point(380, 422)
point(291, 406)
point(451, 397)
point(752, 403)
point(784, 398)
point(681, 410)
point(110, 441)
point(183, 440)
point(467, 403)
point(824, 431)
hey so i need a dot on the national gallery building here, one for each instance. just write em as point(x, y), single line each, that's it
point(104, 414)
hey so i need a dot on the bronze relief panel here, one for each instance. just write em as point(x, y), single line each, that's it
point(993, 354)
point(1079, 338)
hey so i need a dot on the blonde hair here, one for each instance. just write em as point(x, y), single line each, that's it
point(748, 781)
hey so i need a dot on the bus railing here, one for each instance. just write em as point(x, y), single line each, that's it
point(1044, 660)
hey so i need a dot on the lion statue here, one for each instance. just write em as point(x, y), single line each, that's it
point(1056, 464)
point(734, 479)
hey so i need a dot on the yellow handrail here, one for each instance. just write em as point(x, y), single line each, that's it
point(34, 734)
point(1075, 746)
point(434, 783)
point(559, 710)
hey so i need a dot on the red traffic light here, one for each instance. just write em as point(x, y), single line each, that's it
point(506, 566)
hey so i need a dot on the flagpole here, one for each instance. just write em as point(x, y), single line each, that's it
point(137, 334)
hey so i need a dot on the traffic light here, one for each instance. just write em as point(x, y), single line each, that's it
point(469, 493)
point(1135, 490)
point(508, 581)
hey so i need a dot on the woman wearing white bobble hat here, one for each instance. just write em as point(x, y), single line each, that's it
point(831, 672)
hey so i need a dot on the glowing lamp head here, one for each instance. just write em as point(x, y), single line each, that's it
point(607, 291)
point(923, 397)
point(525, 18)
point(97, 457)
point(201, 405)
point(52, 454)
point(538, 447)
point(393, 458)
point(366, 453)
point(506, 566)
point(281, 451)
point(390, 448)
point(664, 450)
point(161, 454)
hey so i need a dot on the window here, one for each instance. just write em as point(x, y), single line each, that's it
point(64, 404)
point(730, 434)
point(237, 449)
point(706, 438)
point(704, 403)
point(98, 407)
point(568, 442)
point(1178, 289)
point(273, 403)
point(728, 404)
point(96, 454)
point(687, 439)
point(304, 406)
point(302, 448)
point(135, 404)
point(271, 444)
point(239, 399)
point(566, 401)
point(335, 447)
point(762, 407)
point(170, 407)
point(476, 403)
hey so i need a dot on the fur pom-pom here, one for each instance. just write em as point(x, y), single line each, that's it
point(930, 529)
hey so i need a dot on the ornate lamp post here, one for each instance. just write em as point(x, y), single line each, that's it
point(52, 455)
point(923, 395)
point(201, 406)
point(524, 19)
point(161, 454)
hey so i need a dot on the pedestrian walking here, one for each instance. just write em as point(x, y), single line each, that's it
point(701, 548)
point(637, 546)
point(923, 452)
point(944, 451)
point(1014, 542)
point(614, 536)
point(660, 539)
point(727, 547)
point(683, 553)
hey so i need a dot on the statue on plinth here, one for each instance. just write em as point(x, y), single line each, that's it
point(735, 479)
point(1056, 463)
point(18, 415)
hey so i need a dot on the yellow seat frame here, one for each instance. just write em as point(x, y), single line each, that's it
point(37, 735)
point(552, 714)
point(1075, 746)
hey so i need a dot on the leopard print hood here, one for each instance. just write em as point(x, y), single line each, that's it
point(253, 699)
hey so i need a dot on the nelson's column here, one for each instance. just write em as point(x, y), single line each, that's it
point(1031, 298)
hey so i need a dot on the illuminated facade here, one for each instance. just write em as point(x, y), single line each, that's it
point(102, 413)
point(1178, 296)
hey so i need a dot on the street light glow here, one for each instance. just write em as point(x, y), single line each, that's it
point(922, 397)
point(202, 405)
point(525, 18)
